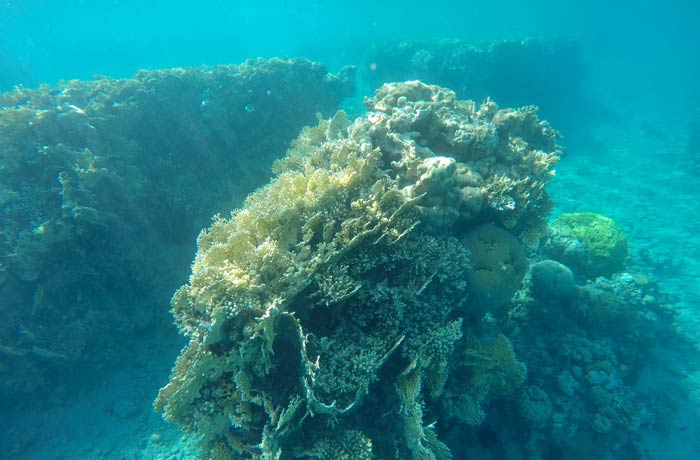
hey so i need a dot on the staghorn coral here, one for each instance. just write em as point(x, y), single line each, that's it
point(332, 306)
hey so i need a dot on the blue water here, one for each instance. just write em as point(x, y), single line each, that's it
point(630, 131)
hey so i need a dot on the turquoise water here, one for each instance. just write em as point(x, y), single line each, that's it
point(105, 185)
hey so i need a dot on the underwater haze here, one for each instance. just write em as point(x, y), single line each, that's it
point(349, 230)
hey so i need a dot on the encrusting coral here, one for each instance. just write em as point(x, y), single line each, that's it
point(328, 317)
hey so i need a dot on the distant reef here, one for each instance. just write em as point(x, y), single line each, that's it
point(376, 301)
point(547, 72)
point(104, 186)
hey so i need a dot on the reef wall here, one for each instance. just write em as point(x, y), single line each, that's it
point(104, 185)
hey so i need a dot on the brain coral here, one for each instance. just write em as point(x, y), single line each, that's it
point(104, 183)
point(326, 316)
point(593, 245)
point(497, 267)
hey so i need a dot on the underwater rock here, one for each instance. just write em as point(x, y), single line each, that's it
point(591, 244)
point(551, 280)
point(104, 185)
point(325, 317)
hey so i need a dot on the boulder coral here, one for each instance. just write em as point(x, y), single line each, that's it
point(328, 317)
point(591, 244)
point(551, 281)
point(497, 265)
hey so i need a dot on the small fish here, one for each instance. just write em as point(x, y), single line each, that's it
point(75, 108)
point(249, 108)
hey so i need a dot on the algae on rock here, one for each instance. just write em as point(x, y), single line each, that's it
point(327, 316)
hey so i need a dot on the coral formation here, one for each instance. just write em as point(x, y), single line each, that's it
point(497, 265)
point(326, 317)
point(591, 244)
point(595, 370)
point(104, 185)
point(551, 280)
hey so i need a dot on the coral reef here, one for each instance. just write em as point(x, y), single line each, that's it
point(329, 316)
point(596, 372)
point(548, 73)
point(104, 185)
point(591, 244)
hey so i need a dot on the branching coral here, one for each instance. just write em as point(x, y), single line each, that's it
point(482, 372)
